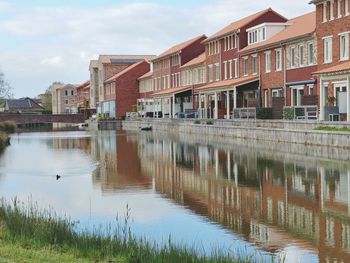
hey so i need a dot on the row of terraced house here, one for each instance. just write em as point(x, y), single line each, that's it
point(261, 66)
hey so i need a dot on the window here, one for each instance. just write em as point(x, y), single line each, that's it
point(236, 68)
point(278, 59)
point(346, 7)
point(266, 98)
point(230, 69)
point(301, 55)
point(245, 66)
point(254, 64)
point(256, 35)
point(72, 92)
point(268, 62)
point(225, 69)
point(213, 48)
point(66, 102)
point(327, 45)
point(217, 71)
point(325, 12)
point(339, 8)
point(344, 46)
point(331, 10)
point(229, 42)
point(210, 73)
point(311, 53)
point(292, 57)
point(66, 92)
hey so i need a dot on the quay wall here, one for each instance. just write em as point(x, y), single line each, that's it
point(273, 131)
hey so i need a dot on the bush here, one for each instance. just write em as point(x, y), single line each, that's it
point(288, 114)
point(7, 126)
point(210, 123)
point(264, 113)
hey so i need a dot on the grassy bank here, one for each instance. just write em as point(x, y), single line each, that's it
point(334, 129)
point(39, 234)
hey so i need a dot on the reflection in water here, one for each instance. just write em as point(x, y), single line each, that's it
point(228, 194)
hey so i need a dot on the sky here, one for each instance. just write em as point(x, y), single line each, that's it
point(45, 41)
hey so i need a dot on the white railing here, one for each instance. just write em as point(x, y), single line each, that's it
point(204, 113)
point(244, 113)
point(305, 112)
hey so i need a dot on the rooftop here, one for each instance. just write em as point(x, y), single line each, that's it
point(114, 77)
point(345, 66)
point(179, 47)
point(149, 74)
point(239, 24)
point(298, 27)
point(125, 59)
point(24, 103)
point(198, 60)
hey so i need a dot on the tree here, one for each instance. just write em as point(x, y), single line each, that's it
point(5, 88)
point(46, 98)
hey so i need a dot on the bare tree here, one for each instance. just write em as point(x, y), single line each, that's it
point(5, 88)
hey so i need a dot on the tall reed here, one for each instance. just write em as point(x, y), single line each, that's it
point(37, 228)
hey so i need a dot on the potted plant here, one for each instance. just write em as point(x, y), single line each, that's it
point(331, 101)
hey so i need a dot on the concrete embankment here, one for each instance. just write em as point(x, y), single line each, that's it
point(273, 131)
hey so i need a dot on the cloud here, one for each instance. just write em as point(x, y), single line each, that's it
point(51, 36)
point(54, 61)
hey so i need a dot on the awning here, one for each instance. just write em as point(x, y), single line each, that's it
point(228, 83)
point(299, 83)
point(341, 68)
point(172, 91)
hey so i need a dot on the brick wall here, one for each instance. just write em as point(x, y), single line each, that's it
point(127, 88)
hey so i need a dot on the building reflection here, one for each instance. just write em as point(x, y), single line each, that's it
point(269, 201)
point(119, 166)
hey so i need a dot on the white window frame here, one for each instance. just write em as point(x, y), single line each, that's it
point(346, 7)
point(225, 70)
point(278, 63)
point(268, 61)
point(331, 10)
point(254, 65)
point(301, 55)
point(344, 35)
point(217, 71)
point(324, 12)
point(230, 68)
point(326, 41)
point(339, 8)
point(292, 57)
point(245, 66)
point(236, 67)
point(311, 53)
point(210, 73)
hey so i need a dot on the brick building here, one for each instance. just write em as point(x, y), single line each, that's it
point(170, 97)
point(105, 67)
point(83, 95)
point(332, 31)
point(228, 84)
point(287, 59)
point(121, 90)
point(64, 98)
point(145, 101)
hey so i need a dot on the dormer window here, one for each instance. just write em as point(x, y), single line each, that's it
point(256, 35)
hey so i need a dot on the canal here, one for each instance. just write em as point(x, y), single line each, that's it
point(240, 196)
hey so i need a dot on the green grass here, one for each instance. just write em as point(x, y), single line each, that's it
point(27, 232)
point(335, 129)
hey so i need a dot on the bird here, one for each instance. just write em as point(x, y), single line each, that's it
point(58, 177)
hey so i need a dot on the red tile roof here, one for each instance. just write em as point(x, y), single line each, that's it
point(198, 60)
point(179, 47)
point(298, 27)
point(230, 82)
point(171, 91)
point(123, 72)
point(147, 75)
point(345, 66)
point(239, 24)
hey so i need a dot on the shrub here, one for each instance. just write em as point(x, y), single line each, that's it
point(288, 114)
point(264, 113)
point(7, 126)
point(210, 123)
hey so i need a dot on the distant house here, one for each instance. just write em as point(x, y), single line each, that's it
point(23, 105)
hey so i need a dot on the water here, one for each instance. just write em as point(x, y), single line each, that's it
point(270, 199)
